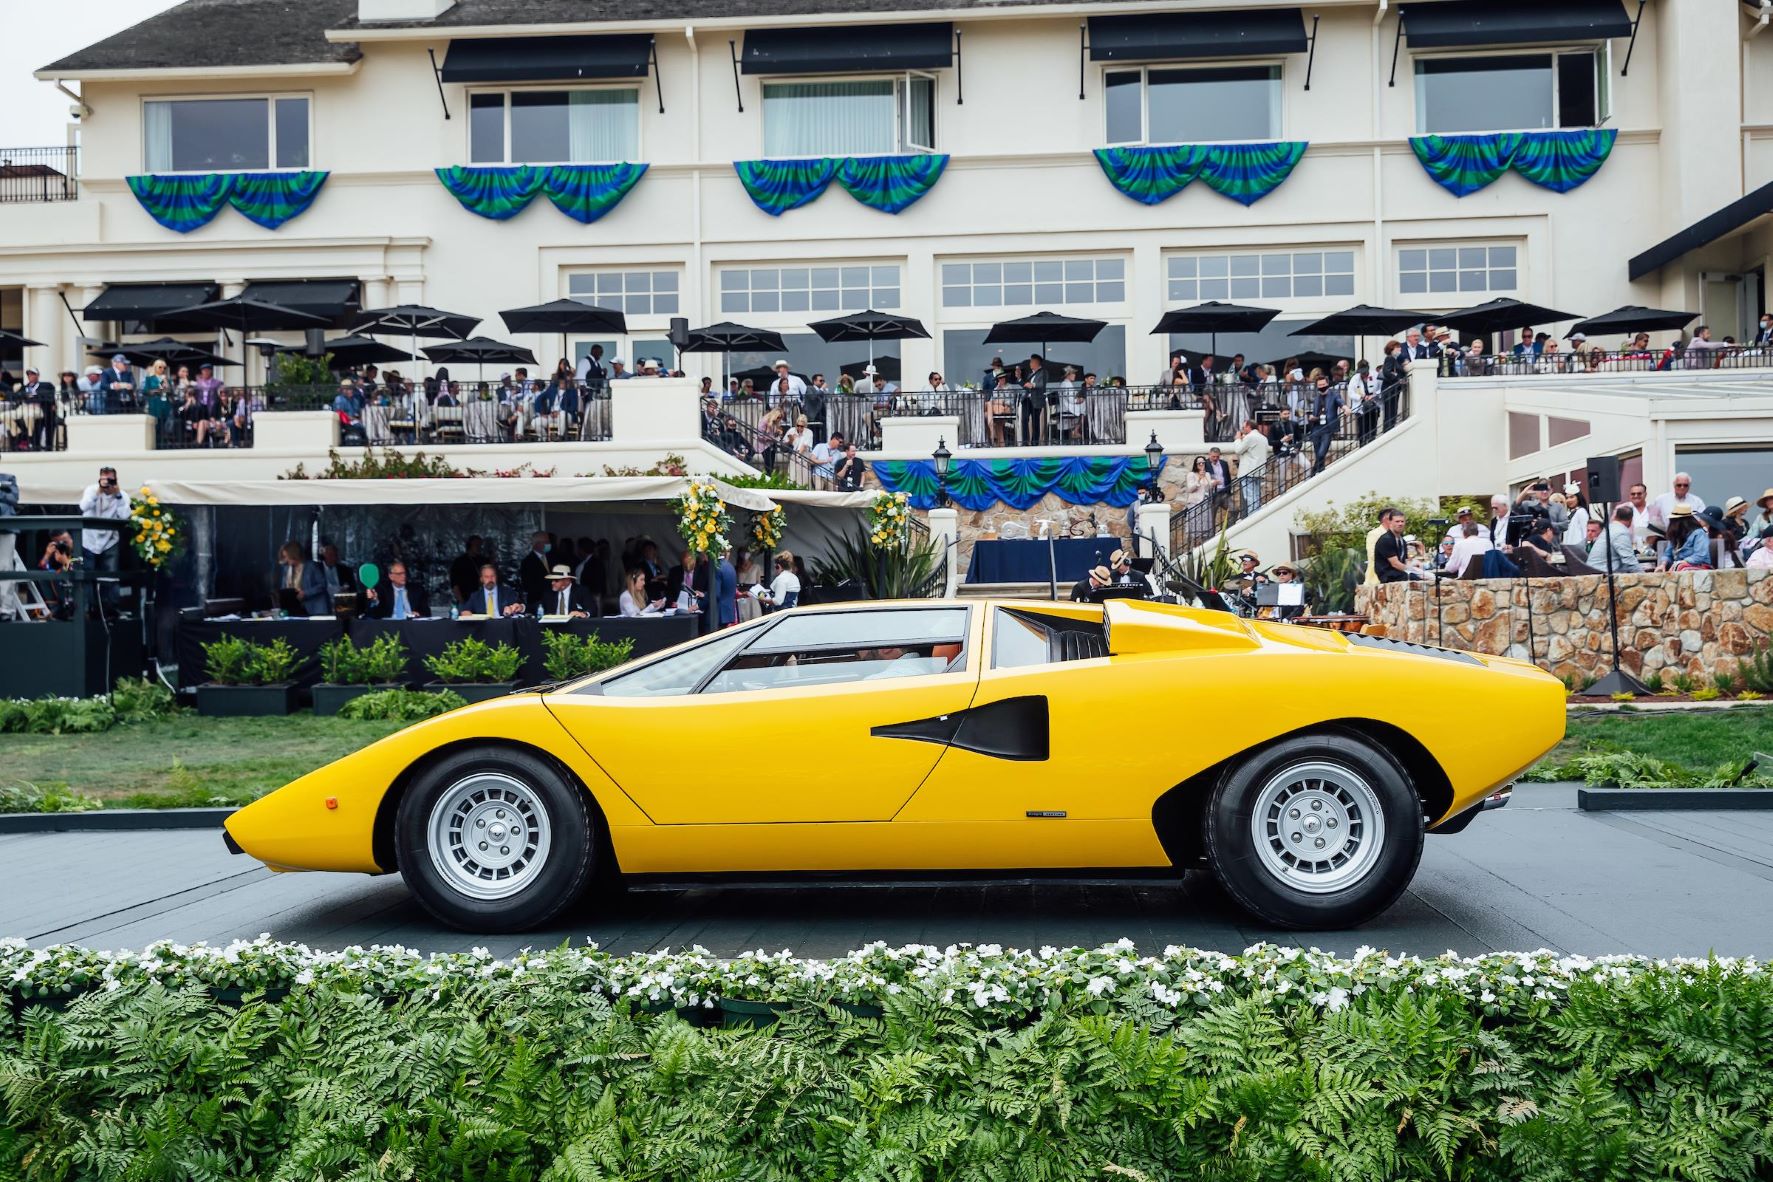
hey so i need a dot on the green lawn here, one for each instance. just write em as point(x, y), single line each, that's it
point(1690, 748)
point(184, 761)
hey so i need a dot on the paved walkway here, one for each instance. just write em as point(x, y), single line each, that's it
point(1538, 874)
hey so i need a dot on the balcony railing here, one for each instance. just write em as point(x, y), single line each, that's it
point(1613, 361)
point(39, 174)
point(466, 416)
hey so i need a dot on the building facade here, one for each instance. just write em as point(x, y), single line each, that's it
point(379, 94)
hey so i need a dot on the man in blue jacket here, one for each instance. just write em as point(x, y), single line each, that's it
point(726, 592)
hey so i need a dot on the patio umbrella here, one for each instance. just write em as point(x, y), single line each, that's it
point(760, 377)
point(13, 339)
point(1633, 318)
point(1213, 318)
point(356, 350)
point(563, 317)
point(869, 326)
point(1310, 359)
point(1362, 321)
point(729, 338)
point(887, 367)
point(481, 350)
point(246, 314)
point(173, 352)
point(415, 320)
point(1501, 316)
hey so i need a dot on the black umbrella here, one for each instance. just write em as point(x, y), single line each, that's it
point(173, 352)
point(12, 338)
point(887, 368)
point(1311, 359)
point(247, 314)
point(729, 338)
point(1362, 320)
point(415, 321)
point(759, 377)
point(1043, 327)
point(1633, 318)
point(356, 350)
point(1213, 318)
point(481, 350)
point(563, 317)
point(1194, 356)
point(1500, 316)
point(869, 326)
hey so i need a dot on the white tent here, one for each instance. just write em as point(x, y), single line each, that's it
point(487, 490)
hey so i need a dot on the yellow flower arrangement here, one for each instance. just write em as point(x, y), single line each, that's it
point(158, 536)
point(889, 521)
point(702, 518)
point(767, 528)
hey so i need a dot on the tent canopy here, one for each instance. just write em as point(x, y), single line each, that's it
point(583, 491)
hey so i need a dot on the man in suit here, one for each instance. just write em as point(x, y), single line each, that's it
point(339, 579)
point(115, 386)
point(565, 597)
point(1326, 416)
point(398, 600)
point(697, 576)
point(464, 571)
point(1034, 399)
point(532, 572)
point(1220, 471)
point(490, 599)
point(1764, 337)
point(726, 592)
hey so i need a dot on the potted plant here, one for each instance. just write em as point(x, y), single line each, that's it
point(247, 679)
point(476, 670)
point(348, 671)
point(566, 657)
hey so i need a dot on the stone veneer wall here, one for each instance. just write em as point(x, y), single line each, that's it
point(1693, 621)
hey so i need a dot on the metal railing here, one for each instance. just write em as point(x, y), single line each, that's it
point(469, 414)
point(39, 174)
point(1289, 465)
point(1611, 361)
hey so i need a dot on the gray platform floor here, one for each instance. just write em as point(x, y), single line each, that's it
point(1538, 874)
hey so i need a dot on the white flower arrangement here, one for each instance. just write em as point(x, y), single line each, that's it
point(889, 521)
point(702, 518)
point(1113, 978)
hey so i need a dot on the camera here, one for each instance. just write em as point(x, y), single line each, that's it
point(63, 548)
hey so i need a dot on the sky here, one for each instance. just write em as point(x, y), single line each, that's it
point(34, 114)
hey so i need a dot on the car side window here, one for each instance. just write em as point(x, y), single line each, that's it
point(679, 673)
point(835, 648)
point(1020, 639)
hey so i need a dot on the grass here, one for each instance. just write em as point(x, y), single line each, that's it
point(1698, 742)
point(186, 761)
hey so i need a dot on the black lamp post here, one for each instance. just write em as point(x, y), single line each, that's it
point(943, 458)
point(1154, 460)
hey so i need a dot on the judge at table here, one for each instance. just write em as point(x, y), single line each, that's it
point(398, 600)
point(490, 599)
point(564, 597)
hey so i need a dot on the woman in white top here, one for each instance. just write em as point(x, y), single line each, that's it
point(633, 601)
point(1198, 485)
point(784, 591)
point(800, 436)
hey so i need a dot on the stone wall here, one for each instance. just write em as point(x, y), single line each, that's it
point(1692, 622)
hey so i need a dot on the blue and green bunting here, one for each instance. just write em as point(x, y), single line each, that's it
point(975, 485)
point(1555, 160)
point(185, 203)
point(583, 192)
point(1245, 173)
point(887, 183)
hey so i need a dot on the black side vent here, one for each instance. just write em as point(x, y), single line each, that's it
point(1421, 650)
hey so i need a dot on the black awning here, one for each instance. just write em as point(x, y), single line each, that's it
point(334, 299)
point(1177, 36)
point(837, 49)
point(547, 59)
point(142, 302)
point(1733, 217)
point(1448, 23)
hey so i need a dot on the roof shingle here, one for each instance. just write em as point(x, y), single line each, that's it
point(200, 33)
point(466, 13)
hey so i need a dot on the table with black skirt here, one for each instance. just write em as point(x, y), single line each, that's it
point(1068, 560)
point(304, 635)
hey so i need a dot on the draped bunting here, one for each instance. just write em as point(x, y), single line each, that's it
point(583, 192)
point(1245, 173)
point(1555, 160)
point(887, 183)
point(1020, 484)
point(185, 203)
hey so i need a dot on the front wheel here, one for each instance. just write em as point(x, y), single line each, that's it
point(494, 840)
point(1321, 831)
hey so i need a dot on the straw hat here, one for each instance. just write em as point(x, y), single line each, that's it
point(1283, 566)
point(1680, 511)
point(561, 571)
point(1764, 498)
point(1118, 557)
point(1734, 506)
point(1101, 575)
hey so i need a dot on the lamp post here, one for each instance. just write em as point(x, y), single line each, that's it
point(943, 458)
point(1154, 460)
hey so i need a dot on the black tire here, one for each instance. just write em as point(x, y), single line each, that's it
point(559, 875)
point(1253, 879)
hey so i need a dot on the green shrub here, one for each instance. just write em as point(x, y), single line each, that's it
point(140, 699)
point(56, 716)
point(566, 656)
point(1681, 683)
point(473, 660)
point(233, 661)
point(914, 572)
point(379, 662)
point(22, 797)
point(1724, 681)
point(400, 705)
point(1654, 682)
point(225, 659)
point(1756, 669)
point(273, 663)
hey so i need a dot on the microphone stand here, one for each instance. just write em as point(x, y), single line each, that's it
point(1618, 681)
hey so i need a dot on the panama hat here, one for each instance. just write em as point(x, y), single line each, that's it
point(1680, 511)
point(561, 571)
point(1735, 505)
point(1283, 566)
point(1118, 557)
point(1249, 555)
point(1764, 498)
point(1101, 575)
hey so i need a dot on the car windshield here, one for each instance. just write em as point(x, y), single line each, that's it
point(679, 673)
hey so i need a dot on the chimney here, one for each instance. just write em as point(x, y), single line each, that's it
point(402, 10)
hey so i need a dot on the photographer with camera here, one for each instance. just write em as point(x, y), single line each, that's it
point(102, 546)
point(58, 557)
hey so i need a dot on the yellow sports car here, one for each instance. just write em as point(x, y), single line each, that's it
point(1301, 766)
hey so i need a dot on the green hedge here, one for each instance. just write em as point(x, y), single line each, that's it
point(1093, 1064)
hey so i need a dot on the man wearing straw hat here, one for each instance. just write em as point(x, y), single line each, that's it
point(564, 596)
point(1098, 578)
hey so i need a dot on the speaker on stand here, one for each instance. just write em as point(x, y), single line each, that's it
point(1603, 489)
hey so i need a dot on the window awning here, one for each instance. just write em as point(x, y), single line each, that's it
point(334, 299)
point(1733, 217)
point(143, 302)
point(1454, 23)
point(547, 59)
point(1178, 36)
point(842, 49)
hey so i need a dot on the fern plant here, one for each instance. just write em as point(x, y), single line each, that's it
point(1756, 669)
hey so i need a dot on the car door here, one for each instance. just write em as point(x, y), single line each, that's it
point(790, 721)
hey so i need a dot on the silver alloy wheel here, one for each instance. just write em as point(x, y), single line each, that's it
point(1318, 827)
point(488, 835)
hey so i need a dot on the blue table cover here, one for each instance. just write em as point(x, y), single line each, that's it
point(1033, 562)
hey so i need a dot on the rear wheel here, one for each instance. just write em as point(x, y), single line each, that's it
point(1321, 831)
point(495, 840)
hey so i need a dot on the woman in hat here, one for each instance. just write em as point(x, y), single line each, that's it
point(1764, 517)
point(1689, 542)
point(1729, 526)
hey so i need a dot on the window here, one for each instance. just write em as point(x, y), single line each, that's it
point(1268, 275)
point(860, 117)
point(1164, 105)
point(584, 126)
point(1027, 283)
point(1021, 639)
point(638, 293)
point(1511, 91)
point(225, 134)
point(840, 287)
point(835, 648)
point(678, 673)
point(1427, 270)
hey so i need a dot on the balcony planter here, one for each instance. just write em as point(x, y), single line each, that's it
point(328, 698)
point(473, 691)
point(246, 701)
point(734, 1012)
